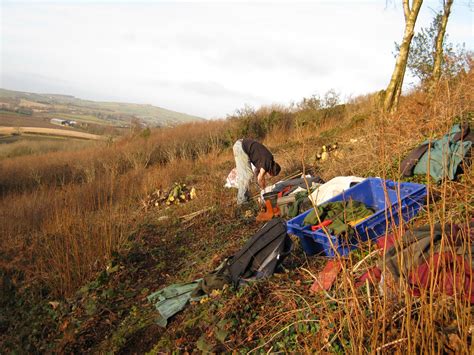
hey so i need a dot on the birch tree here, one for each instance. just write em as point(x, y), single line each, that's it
point(394, 89)
point(423, 52)
point(439, 43)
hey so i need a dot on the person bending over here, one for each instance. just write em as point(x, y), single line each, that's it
point(246, 152)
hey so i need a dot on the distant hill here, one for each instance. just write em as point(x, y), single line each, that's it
point(113, 112)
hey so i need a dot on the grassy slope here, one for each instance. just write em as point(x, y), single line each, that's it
point(279, 311)
point(111, 312)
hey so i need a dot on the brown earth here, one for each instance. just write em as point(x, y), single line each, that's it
point(17, 120)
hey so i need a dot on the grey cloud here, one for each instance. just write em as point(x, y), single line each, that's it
point(40, 84)
point(129, 37)
point(213, 89)
point(197, 41)
point(44, 84)
point(276, 56)
point(157, 83)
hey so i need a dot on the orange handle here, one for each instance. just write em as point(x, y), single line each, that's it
point(321, 225)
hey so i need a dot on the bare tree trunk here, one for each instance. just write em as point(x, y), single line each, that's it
point(394, 88)
point(439, 43)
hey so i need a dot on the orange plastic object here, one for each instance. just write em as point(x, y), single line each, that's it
point(321, 225)
point(327, 276)
point(269, 213)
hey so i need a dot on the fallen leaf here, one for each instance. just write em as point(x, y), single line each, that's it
point(216, 293)
point(63, 326)
point(54, 304)
point(204, 300)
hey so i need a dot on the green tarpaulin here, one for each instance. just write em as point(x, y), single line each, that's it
point(172, 299)
point(444, 157)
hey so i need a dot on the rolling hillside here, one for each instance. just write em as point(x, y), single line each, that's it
point(85, 110)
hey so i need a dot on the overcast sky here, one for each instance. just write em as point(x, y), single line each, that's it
point(207, 58)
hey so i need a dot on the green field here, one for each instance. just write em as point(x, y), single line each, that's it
point(10, 113)
point(85, 119)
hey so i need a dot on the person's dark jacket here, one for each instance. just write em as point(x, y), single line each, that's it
point(258, 154)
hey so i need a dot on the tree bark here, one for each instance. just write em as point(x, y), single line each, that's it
point(394, 89)
point(438, 59)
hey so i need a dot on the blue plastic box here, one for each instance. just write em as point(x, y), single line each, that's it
point(386, 197)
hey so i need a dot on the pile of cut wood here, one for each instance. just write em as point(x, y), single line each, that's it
point(179, 193)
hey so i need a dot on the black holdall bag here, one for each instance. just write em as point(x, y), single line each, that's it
point(263, 254)
point(260, 257)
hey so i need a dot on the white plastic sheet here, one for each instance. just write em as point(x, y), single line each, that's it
point(333, 188)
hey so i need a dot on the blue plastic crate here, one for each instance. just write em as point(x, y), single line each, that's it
point(386, 197)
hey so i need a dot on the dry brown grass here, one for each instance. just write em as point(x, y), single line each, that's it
point(374, 319)
point(62, 215)
point(34, 145)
